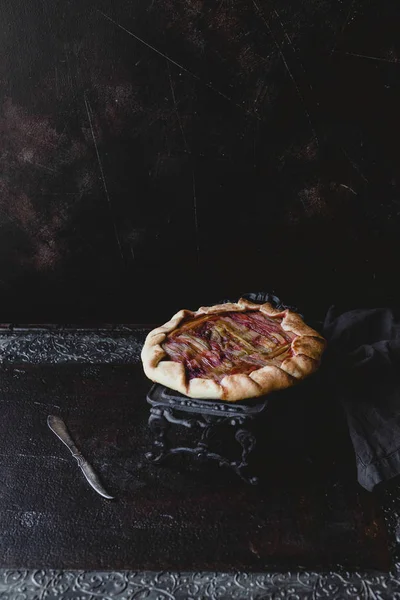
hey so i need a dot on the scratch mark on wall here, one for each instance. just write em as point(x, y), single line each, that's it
point(196, 222)
point(347, 17)
point(380, 58)
point(343, 26)
point(354, 165)
point(176, 110)
point(291, 46)
point(56, 82)
point(90, 114)
point(282, 55)
point(348, 188)
point(69, 74)
point(284, 30)
point(181, 67)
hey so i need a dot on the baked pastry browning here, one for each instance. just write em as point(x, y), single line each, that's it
point(232, 351)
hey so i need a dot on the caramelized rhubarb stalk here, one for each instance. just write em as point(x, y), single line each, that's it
point(213, 346)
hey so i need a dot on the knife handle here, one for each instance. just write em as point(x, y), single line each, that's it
point(58, 426)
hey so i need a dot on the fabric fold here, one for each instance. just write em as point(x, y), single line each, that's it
point(363, 366)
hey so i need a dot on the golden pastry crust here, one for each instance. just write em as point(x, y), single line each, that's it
point(306, 352)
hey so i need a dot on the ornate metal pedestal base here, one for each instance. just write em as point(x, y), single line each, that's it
point(210, 417)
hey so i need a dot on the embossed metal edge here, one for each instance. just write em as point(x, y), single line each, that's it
point(56, 347)
point(125, 585)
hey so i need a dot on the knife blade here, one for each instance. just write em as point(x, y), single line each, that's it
point(58, 427)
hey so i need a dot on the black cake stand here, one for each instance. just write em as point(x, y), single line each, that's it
point(208, 420)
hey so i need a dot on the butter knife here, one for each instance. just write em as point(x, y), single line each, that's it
point(58, 427)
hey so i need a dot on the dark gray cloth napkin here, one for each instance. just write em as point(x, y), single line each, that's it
point(362, 363)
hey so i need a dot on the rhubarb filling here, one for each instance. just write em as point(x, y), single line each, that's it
point(213, 346)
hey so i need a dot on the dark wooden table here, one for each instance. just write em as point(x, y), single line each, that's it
point(31, 458)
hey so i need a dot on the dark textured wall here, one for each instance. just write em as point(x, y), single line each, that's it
point(201, 149)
